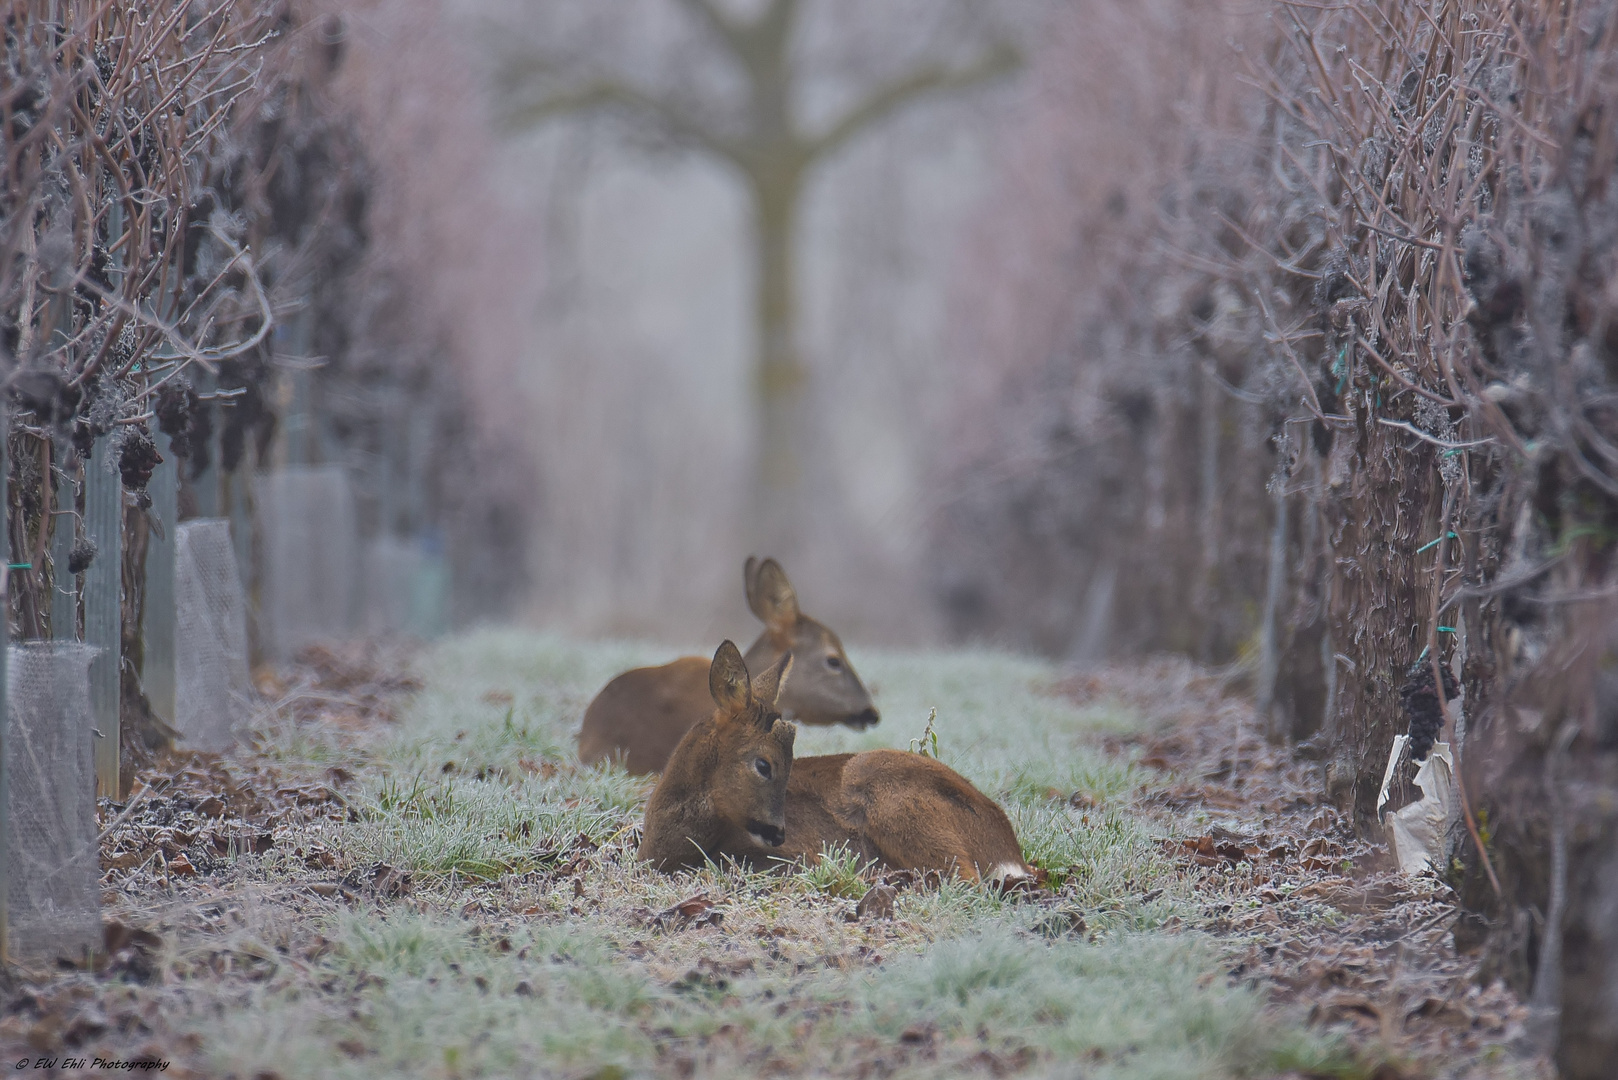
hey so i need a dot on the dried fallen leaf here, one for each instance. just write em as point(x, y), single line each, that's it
point(694, 911)
point(877, 903)
point(391, 882)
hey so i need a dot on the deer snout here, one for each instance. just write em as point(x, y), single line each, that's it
point(767, 834)
point(862, 720)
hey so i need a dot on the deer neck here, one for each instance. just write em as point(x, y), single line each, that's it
point(680, 813)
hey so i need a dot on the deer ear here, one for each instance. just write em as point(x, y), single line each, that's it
point(771, 597)
point(727, 679)
point(767, 687)
point(749, 582)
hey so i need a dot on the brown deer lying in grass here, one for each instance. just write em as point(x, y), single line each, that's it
point(641, 714)
point(732, 788)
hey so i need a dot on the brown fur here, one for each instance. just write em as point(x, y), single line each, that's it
point(642, 714)
point(897, 809)
point(903, 810)
point(724, 792)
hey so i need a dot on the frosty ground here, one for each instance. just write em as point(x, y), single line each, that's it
point(410, 875)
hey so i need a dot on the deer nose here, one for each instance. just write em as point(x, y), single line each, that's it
point(863, 720)
point(764, 833)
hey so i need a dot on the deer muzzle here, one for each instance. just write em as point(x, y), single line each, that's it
point(868, 719)
point(764, 833)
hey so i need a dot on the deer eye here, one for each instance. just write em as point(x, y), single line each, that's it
point(834, 663)
point(763, 768)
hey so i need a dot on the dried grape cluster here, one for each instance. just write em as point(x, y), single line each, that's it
point(1422, 707)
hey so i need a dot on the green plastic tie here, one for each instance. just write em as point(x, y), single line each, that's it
point(20, 566)
point(1446, 629)
point(1434, 542)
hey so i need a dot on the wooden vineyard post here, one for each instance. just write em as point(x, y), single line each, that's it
point(64, 528)
point(158, 613)
point(103, 586)
point(5, 701)
point(205, 485)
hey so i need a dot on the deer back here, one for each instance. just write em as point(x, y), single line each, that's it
point(902, 809)
point(642, 714)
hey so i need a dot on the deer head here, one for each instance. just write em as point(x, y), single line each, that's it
point(824, 689)
point(724, 789)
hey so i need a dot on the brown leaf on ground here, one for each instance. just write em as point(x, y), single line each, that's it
point(390, 882)
point(900, 879)
point(1205, 851)
point(692, 912)
point(877, 903)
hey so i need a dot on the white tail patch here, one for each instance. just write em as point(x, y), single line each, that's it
point(1008, 872)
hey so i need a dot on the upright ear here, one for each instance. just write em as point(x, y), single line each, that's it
point(767, 687)
point(750, 581)
point(770, 595)
point(727, 679)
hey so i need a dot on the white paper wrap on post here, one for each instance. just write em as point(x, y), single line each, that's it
point(1416, 832)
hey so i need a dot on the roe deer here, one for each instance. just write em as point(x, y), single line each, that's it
point(641, 714)
point(732, 788)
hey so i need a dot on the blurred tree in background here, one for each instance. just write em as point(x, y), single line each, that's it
point(731, 87)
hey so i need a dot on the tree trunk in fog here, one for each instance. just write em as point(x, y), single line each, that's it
point(785, 428)
point(1540, 762)
point(773, 156)
point(1380, 601)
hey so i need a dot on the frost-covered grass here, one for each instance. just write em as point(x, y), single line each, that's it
point(513, 958)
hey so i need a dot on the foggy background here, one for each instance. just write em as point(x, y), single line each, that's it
point(608, 274)
point(1277, 336)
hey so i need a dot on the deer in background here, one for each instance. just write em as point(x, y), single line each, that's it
point(732, 789)
point(641, 714)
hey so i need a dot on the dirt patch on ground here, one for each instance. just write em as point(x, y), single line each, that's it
point(1312, 912)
